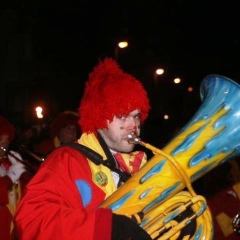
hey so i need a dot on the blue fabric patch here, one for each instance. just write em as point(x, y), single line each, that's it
point(85, 191)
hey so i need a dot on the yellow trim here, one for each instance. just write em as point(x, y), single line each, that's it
point(225, 223)
point(90, 140)
point(56, 142)
point(14, 195)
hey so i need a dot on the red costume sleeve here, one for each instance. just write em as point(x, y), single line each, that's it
point(53, 207)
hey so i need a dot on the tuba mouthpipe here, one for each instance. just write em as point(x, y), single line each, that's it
point(133, 139)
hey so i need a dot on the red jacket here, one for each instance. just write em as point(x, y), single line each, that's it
point(62, 201)
point(221, 189)
point(224, 206)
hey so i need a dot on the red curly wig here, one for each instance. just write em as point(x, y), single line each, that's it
point(110, 92)
point(6, 128)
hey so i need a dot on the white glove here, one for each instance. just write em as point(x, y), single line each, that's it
point(12, 159)
point(16, 169)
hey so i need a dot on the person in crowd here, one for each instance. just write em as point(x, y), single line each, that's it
point(221, 188)
point(64, 129)
point(62, 200)
point(26, 135)
point(13, 179)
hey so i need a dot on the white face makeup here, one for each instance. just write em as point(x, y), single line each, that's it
point(116, 134)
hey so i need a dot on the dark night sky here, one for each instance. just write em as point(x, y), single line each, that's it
point(190, 39)
point(177, 33)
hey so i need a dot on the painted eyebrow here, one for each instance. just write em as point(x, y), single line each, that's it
point(137, 115)
point(129, 115)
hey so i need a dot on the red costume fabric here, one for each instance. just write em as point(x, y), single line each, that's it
point(221, 188)
point(224, 206)
point(71, 201)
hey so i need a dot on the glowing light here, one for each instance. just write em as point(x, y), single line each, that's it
point(166, 117)
point(159, 71)
point(177, 80)
point(123, 44)
point(39, 112)
point(190, 89)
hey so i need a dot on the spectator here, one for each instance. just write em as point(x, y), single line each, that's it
point(64, 129)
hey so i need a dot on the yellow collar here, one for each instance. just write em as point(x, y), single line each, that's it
point(90, 140)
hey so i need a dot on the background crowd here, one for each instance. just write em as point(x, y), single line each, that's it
point(32, 143)
point(221, 186)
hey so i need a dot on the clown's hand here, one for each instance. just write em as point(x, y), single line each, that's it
point(17, 168)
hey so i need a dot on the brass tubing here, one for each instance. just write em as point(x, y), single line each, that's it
point(27, 165)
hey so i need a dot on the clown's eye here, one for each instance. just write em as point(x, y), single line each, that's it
point(137, 116)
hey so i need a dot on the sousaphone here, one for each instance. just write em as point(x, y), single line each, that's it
point(161, 191)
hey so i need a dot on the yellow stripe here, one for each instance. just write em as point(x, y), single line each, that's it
point(89, 140)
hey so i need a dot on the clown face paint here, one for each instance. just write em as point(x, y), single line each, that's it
point(115, 135)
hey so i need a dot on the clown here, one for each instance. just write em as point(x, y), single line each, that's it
point(63, 198)
point(13, 178)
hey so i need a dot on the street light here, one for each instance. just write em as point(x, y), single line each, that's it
point(177, 80)
point(158, 72)
point(122, 44)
